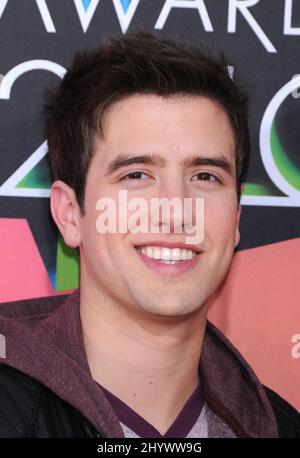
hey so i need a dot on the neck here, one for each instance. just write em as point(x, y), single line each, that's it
point(146, 361)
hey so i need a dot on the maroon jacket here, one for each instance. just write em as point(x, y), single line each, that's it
point(44, 340)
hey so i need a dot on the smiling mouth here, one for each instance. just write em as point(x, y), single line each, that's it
point(165, 255)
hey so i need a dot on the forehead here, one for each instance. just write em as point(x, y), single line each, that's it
point(174, 127)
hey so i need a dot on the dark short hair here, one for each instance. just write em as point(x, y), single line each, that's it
point(136, 63)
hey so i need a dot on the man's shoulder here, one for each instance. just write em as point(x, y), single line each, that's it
point(19, 397)
point(28, 408)
point(32, 307)
point(288, 419)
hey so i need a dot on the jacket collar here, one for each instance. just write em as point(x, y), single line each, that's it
point(44, 340)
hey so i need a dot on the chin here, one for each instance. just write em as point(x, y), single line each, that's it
point(172, 310)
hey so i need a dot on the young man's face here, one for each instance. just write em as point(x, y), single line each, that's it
point(174, 132)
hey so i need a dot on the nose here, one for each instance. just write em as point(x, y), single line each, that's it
point(168, 214)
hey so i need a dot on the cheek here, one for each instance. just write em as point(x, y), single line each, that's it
point(104, 254)
point(220, 219)
point(91, 241)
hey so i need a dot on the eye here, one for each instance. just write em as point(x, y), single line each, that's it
point(205, 176)
point(135, 176)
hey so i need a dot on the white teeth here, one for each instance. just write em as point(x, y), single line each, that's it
point(167, 255)
point(155, 253)
point(175, 253)
point(189, 254)
point(149, 252)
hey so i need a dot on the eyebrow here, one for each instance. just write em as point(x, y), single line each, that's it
point(124, 160)
point(217, 161)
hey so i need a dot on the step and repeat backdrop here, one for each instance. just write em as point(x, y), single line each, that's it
point(258, 307)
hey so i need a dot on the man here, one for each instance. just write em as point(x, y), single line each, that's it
point(131, 352)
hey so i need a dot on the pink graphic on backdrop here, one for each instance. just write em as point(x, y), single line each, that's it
point(22, 271)
point(258, 309)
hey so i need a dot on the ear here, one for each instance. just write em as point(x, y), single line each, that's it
point(66, 212)
point(238, 217)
